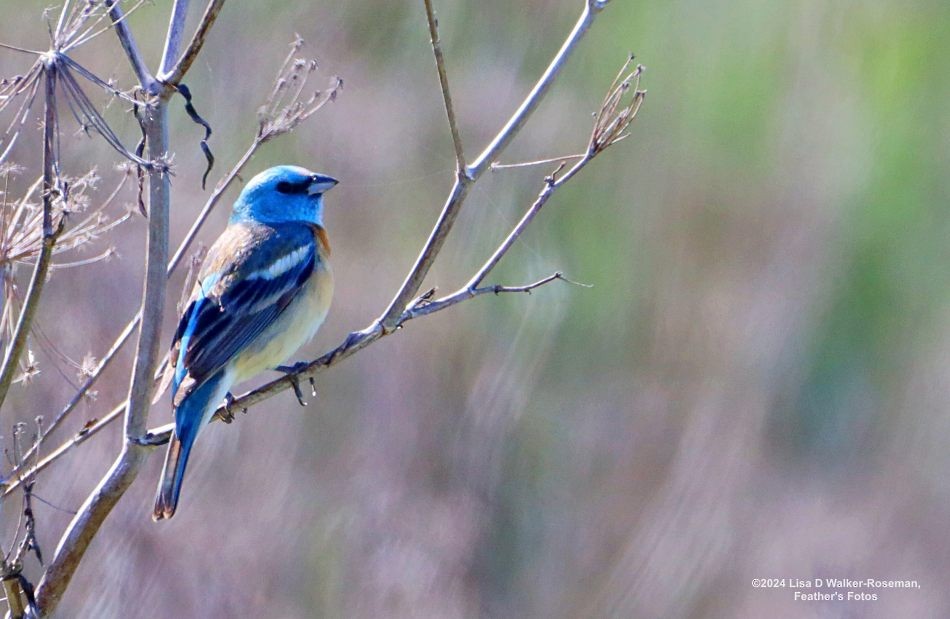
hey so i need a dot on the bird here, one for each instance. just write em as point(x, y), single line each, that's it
point(263, 290)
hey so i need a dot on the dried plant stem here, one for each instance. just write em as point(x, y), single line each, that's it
point(50, 233)
point(172, 74)
point(91, 429)
point(467, 177)
point(84, 526)
point(551, 184)
point(176, 31)
point(444, 83)
point(144, 76)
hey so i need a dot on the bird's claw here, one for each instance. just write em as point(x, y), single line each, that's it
point(227, 416)
point(292, 372)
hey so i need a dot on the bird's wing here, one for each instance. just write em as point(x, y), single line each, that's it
point(251, 274)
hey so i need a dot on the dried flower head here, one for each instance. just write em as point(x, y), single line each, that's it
point(21, 232)
point(286, 106)
point(618, 109)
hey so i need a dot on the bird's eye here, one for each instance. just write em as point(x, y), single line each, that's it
point(291, 188)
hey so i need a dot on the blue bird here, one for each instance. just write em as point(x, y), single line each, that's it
point(264, 290)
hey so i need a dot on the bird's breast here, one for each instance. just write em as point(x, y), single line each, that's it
point(296, 325)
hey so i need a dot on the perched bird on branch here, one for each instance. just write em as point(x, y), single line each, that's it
point(263, 291)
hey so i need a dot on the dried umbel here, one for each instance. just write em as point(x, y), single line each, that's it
point(21, 235)
point(619, 108)
point(288, 104)
point(76, 26)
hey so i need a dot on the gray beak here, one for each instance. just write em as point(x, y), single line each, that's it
point(320, 183)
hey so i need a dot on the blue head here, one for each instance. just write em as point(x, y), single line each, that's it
point(281, 194)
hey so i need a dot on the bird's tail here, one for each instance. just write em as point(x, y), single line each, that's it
point(169, 485)
point(190, 416)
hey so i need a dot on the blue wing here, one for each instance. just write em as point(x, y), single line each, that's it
point(253, 273)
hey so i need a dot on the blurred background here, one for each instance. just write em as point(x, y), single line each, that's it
point(757, 384)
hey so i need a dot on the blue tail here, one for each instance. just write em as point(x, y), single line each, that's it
point(188, 421)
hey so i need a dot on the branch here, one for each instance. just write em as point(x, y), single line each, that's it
point(464, 179)
point(176, 30)
point(354, 343)
point(153, 296)
point(551, 184)
point(85, 525)
point(160, 435)
point(146, 81)
point(91, 428)
point(40, 270)
point(425, 307)
point(173, 75)
point(444, 83)
point(517, 120)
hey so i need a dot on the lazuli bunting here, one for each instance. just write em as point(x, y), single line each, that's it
point(263, 291)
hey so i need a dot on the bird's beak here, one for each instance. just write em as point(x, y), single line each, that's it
point(320, 183)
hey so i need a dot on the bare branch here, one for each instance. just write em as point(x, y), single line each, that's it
point(173, 74)
point(390, 318)
point(84, 526)
point(91, 428)
point(50, 234)
point(528, 164)
point(444, 83)
point(173, 38)
point(358, 341)
point(424, 307)
point(517, 120)
point(153, 296)
point(146, 81)
point(551, 184)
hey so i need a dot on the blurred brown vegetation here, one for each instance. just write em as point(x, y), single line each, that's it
point(756, 386)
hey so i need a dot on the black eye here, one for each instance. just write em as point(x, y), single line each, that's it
point(291, 188)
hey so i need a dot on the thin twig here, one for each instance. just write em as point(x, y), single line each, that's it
point(425, 307)
point(551, 184)
point(173, 75)
point(50, 233)
point(173, 38)
point(525, 164)
point(517, 120)
point(410, 286)
point(91, 428)
point(444, 83)
point(146, 81)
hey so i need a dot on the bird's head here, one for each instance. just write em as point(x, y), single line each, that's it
point(282, 194)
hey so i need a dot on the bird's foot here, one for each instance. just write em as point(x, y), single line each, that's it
point(292, 372)
point(228, 415)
